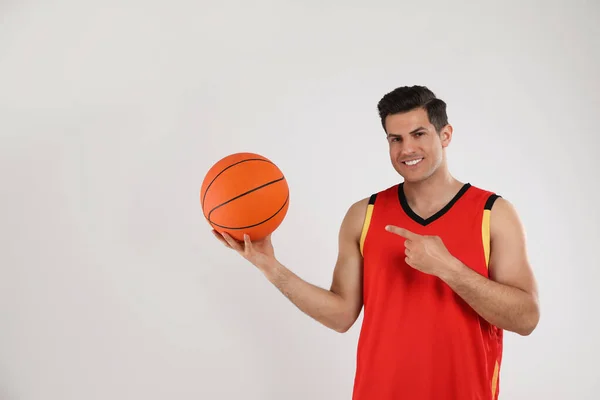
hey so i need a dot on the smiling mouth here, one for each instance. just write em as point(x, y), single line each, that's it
point(412, 162)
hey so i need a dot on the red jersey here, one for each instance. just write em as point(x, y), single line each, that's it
point(419, 340)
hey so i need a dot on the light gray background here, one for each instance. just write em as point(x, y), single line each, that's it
point(111, 284)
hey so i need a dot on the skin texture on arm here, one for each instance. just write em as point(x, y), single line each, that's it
point(509, 299)
point(337, 307)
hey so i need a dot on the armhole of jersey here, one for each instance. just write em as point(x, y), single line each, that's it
point(367, 222)
point(485, 227)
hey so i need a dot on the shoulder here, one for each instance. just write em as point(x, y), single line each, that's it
point(357, 210)
point(358, 213)
point(505, 228)
point(504, 217)
point(482, 192)
point(360, 206)
point(501, 211)
point(350, 230)
point(501, 206)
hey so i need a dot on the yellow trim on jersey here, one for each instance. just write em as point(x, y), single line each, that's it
point(365, 227)
point(495, 379)
point(485, 232)
point(485, 228)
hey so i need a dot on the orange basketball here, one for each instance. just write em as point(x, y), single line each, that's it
point(244, 193)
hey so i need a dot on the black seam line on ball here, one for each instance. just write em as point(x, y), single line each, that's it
point(243, 194)
point(253, 225)
point(223, 170)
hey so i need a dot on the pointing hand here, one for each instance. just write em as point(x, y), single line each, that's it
point(427, 254)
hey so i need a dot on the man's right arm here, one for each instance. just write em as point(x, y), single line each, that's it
point(339, 307)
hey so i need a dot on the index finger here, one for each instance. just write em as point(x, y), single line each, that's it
point(227, 240)
point(405, 233)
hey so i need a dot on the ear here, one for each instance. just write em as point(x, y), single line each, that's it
point(446, 135)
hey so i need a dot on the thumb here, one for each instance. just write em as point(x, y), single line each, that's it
point(248, 247)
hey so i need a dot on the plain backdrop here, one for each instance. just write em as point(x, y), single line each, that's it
point(112, 286)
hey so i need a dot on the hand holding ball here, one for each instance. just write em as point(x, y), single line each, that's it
point(244, 193)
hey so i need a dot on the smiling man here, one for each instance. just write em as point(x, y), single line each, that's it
point(440, 267)
point(445, 269)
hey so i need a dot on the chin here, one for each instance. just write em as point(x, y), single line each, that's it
point(410, 177)
point(413, 179)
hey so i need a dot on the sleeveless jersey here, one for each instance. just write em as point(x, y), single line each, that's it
point(419, 340)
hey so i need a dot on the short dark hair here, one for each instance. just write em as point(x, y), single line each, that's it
point(408, 98)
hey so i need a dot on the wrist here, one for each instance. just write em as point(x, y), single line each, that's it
point(452, 270)
point(270, 268)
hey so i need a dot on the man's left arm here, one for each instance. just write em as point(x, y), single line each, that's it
point(507, 299)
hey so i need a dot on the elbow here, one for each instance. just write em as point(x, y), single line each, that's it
point(530, 322)
point(526, 330)
point(344, 324)
point(345, 316)
point(341, 329)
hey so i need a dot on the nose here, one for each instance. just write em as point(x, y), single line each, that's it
point(408, 148)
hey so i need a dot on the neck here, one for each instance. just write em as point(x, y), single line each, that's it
point(438, 186)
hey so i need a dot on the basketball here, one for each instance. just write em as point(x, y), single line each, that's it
point(244, 193)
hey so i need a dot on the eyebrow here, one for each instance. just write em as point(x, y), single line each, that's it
point(421, 128)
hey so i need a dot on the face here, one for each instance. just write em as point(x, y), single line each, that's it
point(416, 149)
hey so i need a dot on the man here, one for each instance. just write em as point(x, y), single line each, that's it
point(439, 265)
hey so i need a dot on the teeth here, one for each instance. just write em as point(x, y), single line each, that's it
point(413, 162)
